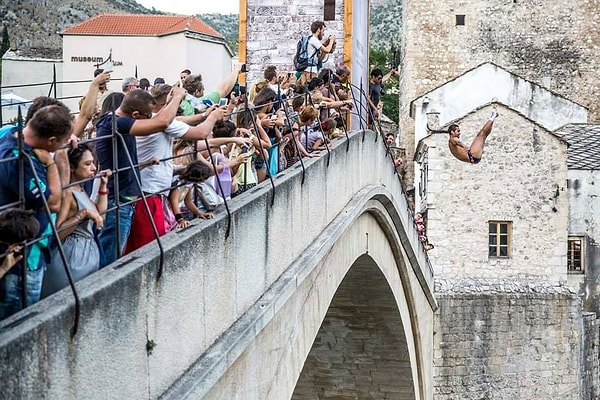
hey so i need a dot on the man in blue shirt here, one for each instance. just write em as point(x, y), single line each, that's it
point(46, 131)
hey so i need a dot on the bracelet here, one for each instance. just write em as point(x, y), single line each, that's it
point(50, 164)
point(103, 192)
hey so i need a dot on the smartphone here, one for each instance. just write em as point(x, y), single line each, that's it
point(243, 68)
point(273, 117)
point(108, 66)
point(222, 102)
point(207, 102)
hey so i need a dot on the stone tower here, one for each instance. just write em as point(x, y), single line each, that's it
point(552, 43)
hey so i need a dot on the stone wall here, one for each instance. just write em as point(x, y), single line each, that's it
point(590, 365)
point(499, 340)
point(554, 44)
point(522, 167)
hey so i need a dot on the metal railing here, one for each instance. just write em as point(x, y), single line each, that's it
point(360, 110)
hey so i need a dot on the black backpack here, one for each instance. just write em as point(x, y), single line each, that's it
point(301, 57)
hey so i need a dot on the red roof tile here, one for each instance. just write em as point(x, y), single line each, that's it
point(140, 25)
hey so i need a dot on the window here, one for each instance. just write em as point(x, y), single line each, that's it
point(329, 10)
point(460, 20)
point(575, 254)
point(499, 239)
point(424, 178)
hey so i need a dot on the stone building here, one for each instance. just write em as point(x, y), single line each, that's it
point(583, 254)
point(505, 230)
point(553, 44)
point(483, 84)
point(510, 324)
point(505, 218)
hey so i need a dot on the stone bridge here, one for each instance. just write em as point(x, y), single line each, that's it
point(321, 290)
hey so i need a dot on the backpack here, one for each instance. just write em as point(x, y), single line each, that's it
point(301, 57)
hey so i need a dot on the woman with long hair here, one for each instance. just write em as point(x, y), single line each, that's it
point(76, 221)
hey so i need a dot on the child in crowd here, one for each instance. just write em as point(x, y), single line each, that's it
point(182, 195)
point(16, 227)
point(76, 220)
point(329, 127)
point(227, 129)
point(312, 138)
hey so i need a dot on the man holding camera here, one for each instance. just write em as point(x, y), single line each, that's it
point(316, 51)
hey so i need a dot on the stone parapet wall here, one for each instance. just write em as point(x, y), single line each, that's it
point(508, 340)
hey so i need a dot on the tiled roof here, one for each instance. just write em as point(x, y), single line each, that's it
point(584, 145)
point(140, 25)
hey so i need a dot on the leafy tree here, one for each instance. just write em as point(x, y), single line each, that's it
point(5, 44)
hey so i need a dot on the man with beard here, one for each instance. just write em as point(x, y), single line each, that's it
point(316, 51)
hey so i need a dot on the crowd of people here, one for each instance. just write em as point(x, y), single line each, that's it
point(179, 148)
point(420, 225)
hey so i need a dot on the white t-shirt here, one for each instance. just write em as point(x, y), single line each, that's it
point(156, 178)
point(312, 50)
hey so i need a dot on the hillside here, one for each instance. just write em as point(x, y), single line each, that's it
point(386, 23)
point(33, 24)
point(227, 25)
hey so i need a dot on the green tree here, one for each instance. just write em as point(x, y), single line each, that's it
point(4, 45)
point(385, 60)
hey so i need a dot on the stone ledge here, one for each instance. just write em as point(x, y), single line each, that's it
point(480, 286)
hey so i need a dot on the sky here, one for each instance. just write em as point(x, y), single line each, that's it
point(192, 7)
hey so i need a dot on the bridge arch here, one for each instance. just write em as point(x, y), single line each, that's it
point(366, 239)
point(361, 347)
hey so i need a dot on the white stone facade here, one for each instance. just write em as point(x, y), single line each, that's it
point(17, 70)
point(152, 56)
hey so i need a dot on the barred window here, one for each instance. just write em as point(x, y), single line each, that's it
point(499, 239)
point(575, 254)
